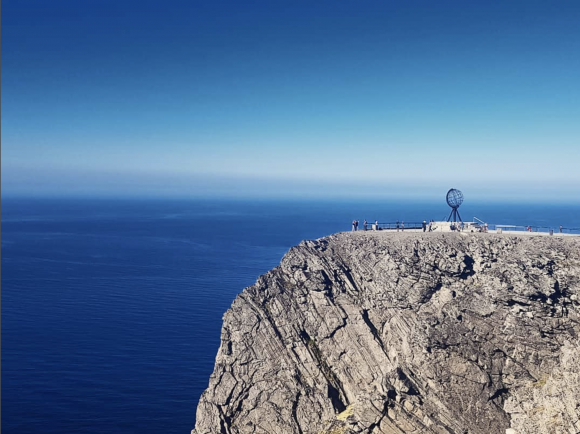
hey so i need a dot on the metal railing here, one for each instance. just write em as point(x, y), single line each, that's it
point(393, 226)
point(478, 224)
point(534, 228)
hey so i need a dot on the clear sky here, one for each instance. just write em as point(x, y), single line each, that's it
point(271, 97)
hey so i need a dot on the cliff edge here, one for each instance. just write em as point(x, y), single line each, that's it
point(376, 332)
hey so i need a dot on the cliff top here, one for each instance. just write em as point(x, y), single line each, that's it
point(406, 332)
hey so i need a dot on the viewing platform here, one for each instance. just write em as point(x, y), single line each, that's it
point(455, 223)
point(474, 226)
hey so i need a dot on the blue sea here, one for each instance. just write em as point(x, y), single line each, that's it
point(112, 309)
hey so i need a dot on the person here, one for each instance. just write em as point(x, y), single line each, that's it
point(561, 228)
point(397, 225)
point(376, 225)
point(424, 225)
point(354, 225)
point(402, 226)
point(365, 224)
point(430, 225)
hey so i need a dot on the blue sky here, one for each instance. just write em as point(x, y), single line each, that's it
point(273, 98)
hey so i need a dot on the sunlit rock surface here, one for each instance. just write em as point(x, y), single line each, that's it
point(375, 332)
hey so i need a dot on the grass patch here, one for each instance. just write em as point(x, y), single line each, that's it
point(541, 382)
point(346, 413)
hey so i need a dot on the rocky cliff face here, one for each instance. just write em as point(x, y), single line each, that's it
point(377, 332)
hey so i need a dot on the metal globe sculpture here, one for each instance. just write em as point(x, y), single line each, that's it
point(454, 199)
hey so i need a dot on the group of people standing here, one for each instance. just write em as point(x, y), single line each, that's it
point(455, 226)
point(375, 226)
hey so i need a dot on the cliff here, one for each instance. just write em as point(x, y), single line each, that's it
point(375, 332)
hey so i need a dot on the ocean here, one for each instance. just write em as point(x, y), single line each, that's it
point(112, 309)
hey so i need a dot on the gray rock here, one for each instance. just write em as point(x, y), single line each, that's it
point(375, 332)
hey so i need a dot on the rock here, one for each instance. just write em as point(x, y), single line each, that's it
point(380, 332)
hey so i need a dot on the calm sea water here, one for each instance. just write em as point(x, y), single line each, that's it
point(111, 310)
